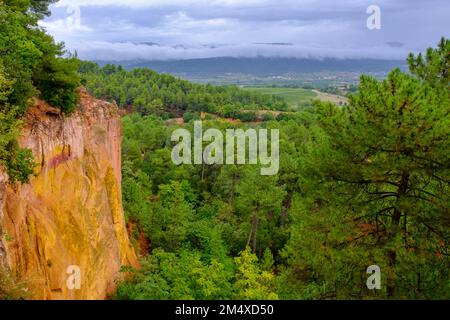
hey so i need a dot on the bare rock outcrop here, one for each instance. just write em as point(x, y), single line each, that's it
point(70, 214)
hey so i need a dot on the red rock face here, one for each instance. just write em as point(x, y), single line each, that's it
point(71, 213)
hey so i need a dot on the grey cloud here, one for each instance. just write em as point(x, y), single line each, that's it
point(131, 51)
point(314, 28)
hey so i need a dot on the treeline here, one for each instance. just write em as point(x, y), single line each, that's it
point(197, 220)
point(30, 58)
point(31, 65)
point(360, 185)
point(148, 92)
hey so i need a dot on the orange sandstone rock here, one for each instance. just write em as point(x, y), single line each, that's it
point(71, 213)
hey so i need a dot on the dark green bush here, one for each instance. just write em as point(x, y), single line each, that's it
point(247, 116)
point(189, 116)
point(33, 60)
point(58, 82)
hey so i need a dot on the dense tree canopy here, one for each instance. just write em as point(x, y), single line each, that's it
point(18, 162)
point(31, 64)
point(360, 185)
point(31, 57)
point(148, 92)
point(376, 190)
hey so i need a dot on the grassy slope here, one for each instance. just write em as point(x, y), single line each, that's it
point(296, 96)
point(293, 96)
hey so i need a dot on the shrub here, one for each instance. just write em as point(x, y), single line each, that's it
point(32, 59)
point(247, 116)
point(58, 82)
point(189, 116)
point(268, 117)
point(10, 287)
point(18, 162)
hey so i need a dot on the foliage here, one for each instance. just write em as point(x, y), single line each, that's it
point(148, 92)
point(176, 276)
point(295, 97)
point(10, 287)
point(375, 176)
point(58, 82)
point(253, 283)
point(359, 185)
point(18, 162)
point(246, 116)
point(189, 116)
point(30, 64)
point(435, 68)
point(31, 58)
point(185, 213)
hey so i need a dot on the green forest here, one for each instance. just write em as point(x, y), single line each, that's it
point(31, 65)
point(149, 93)
point(359, 185)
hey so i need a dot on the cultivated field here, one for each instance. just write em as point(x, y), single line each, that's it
point(293, 96)
point(298, 96)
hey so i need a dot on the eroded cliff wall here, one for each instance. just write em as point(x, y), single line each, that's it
point(71, 213)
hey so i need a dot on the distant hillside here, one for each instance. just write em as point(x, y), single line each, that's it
point(267, 70)
point(265, 66)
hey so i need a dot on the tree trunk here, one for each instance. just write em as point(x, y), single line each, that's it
point(255, 232)
point(396, 216)
point(249, 237)
point(203, 171)
point(286, 206)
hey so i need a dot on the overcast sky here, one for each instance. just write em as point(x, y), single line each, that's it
point(182, 29)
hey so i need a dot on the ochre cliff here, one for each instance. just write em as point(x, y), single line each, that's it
point(70, 214)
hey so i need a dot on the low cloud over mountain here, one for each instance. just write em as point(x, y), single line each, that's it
point(187, 29)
